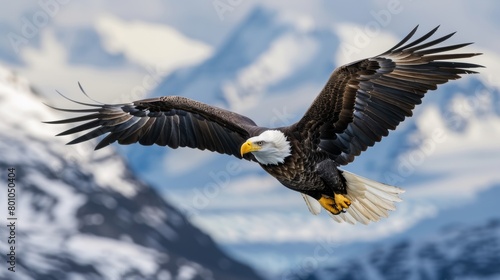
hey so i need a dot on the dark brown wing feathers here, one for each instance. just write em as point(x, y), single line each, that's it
point(363, 100)
point(358, 106)
point(166, 121)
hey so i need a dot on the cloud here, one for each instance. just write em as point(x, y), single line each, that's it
point(287, 53)
point(281, 226)
point(178, 162)
point(151, 44)
point(357, 43)
point(477, 168)
point(252, 185)
point(47, 67)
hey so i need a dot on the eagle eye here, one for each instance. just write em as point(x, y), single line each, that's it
point(260, 143)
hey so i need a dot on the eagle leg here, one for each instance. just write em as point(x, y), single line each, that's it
point(328, 172)
point(342, 201)
point(335, 205)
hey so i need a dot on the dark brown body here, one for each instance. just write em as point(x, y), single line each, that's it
point(302, 172)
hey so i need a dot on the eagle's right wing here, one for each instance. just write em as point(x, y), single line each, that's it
point(363, 100)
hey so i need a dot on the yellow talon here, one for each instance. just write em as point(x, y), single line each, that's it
point(342, 201)
point(336, 204)
point(328, 203)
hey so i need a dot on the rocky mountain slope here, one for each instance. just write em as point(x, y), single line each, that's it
point(455, 252)
point(83, 214)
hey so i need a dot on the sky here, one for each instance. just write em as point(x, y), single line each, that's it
point(37, 35)
point(137, 44)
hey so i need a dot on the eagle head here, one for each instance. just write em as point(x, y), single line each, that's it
point(270, 147)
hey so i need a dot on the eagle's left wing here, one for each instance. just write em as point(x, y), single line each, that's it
point(363, 100)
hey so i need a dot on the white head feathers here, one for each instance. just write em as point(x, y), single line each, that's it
point(273, 147)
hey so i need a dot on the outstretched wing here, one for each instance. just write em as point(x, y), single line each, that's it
point(363, 100)
point(172, 121)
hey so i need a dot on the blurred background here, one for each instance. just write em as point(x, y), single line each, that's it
point(152, 213)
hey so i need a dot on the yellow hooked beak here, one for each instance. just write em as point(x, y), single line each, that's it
point(248, 147)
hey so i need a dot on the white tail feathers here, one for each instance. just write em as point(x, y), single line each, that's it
point(312, 204)
point(370, 200)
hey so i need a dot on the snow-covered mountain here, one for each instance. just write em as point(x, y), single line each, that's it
point(270, 68)
point(454, 252)
point(84, 215)
point(465, 236)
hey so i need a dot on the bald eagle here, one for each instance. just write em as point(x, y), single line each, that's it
point(358, 106)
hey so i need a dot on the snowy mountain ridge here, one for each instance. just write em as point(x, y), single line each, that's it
point(84, 215)
point(454, 252)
